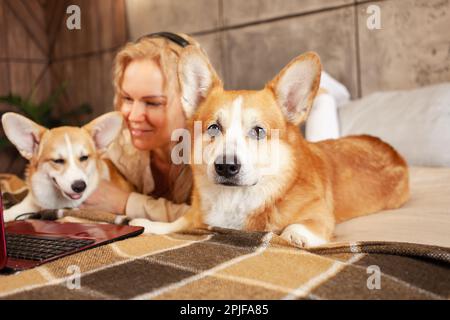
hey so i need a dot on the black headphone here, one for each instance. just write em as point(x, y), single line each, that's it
point(168, 35)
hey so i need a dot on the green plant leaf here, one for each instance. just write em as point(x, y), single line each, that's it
point(4, 143)
point(12, 100)
point(42, 113)
point(24, 106)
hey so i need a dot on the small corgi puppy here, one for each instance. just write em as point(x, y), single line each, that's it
point(65, 164)
point(313, 185)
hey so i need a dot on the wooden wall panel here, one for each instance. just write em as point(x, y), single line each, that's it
point(32, 30)
point(105, 16)
point(120, 29)
point(101, 30)
point(20, 78)
point(40, 80)
point(107, 61)
point(4, 30)
point(89, 80)
point(84, 57)
point(4, 78)
point(16, 38)
point(4, 61)
point(74, 74)
point(23, 60)
point(54, 14)
point(37, 13)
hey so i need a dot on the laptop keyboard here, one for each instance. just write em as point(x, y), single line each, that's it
point(38, 248)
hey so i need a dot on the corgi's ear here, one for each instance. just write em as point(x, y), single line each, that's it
point(23, 133)
point(197, 77)
point(296, 86)
point(105, 129)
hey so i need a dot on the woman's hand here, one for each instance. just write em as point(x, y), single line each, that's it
point(107, 197)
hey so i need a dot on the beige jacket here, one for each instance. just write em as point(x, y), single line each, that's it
point(135, 166)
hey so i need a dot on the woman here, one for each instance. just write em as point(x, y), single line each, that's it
point(147, 93)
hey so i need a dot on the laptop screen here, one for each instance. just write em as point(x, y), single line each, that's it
point(3, 256)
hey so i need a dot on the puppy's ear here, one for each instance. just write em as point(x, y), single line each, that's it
point(105, 129)
point(23, 133)
point(197, 77)
point(296, 86)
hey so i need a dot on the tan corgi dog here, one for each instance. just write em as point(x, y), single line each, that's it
point(313, 185)
point(65, 164)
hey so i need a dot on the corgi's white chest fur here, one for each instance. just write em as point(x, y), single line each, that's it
point(230, 207)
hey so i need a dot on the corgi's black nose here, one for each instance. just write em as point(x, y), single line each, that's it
point(78, 186)
point(227, 169)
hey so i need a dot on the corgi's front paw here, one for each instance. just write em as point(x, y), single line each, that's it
point(299, 235)
point(9, 216)
point(150, 227)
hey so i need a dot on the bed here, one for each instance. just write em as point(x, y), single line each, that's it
point(394, 254)
point(424, 219)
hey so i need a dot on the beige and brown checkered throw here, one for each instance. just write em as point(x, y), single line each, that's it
point(230, 264)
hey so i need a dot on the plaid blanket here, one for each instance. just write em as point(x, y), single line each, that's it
point(229, 264)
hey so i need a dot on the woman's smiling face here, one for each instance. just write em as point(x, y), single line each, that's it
point(144, 104)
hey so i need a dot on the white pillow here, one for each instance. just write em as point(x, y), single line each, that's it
point(416, 122)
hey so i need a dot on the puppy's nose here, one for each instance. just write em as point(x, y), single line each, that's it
point(227, 169)
point(78, 186)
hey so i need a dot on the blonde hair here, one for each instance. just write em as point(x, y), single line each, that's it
point(166, 53)
point(162, 50)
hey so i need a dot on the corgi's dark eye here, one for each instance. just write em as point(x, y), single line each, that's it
point(58, 161)
point(257, 133)
point(214, 130)
point(83, 158)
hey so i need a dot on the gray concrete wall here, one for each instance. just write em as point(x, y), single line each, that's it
point(250, 41)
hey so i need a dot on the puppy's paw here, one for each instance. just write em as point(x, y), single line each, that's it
point(150, 227)
point(301, 236)
point(9, 216)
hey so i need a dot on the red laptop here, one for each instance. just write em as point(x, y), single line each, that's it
point(26, 244)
